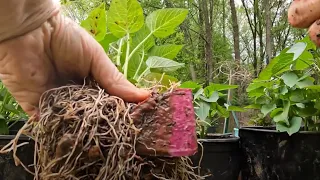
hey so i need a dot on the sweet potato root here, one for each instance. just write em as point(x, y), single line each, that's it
point(167, 123)
point(303, 13)
point(314, 32)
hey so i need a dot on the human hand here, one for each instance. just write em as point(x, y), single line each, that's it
point(57, 52)
point(306, 14)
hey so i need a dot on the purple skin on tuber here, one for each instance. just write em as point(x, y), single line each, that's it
point(168, 125)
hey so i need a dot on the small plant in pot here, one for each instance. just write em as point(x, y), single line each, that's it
point(218, 155)
point(12, 118)
point(287, 92)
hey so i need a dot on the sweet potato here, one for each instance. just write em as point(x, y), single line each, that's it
point(303, 13)
point(168, 125)
point(314, 32)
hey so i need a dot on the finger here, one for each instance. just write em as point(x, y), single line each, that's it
point(302, 13)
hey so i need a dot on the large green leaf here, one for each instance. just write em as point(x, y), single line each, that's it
point(290, 79)
point(163, 22)
point(267, 108)
point(297, 49)
point(203, 111)
point(277, 64)
point(305, 82)
point(96, 23)
point(124, 17)
point(304, 61)
point(294, 126)
point(169, 51)
point(139, 36)
point(255, 85)
point(283, 117)
point(163, 64)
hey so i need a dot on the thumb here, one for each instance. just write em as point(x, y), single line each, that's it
point(109, 78)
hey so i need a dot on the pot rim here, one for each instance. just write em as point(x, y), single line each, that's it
point(11, 137)
point(228, 139)
point(267, 130)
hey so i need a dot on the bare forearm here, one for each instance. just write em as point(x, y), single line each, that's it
point(18, 17)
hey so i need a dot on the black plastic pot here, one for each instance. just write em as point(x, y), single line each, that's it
point(8, 169)
point(221, 157)
point(271, 155)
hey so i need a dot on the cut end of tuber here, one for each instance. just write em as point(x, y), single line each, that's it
point(168, 124)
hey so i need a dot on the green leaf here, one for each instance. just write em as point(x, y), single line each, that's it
point(222, 111)
point(163, 22)
point(96, 23)
point(198, 93)
point(169, 51)
point(275, 112)
point(4, 130)
point(277, 64)
point(213, 98)
point(11, 108)
point(290, 79)
point(203, 111)
point(294, 127)
point(134, 64)
point(2, 117)
point(253, 106)
point(124, 17)
point(305, 83)
point(139, 36)
point(283, 117)
point(163, 64)
point(257, 92)
point(108, 39)
point(284, 90)
point(190, 85)
point(300, 105)
point(297, 49)
point(257, 85)
point(285, 60)
point(235, 109)
point(297, 95)
point(268, 108)
point(304, 61)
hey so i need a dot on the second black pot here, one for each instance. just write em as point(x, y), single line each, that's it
point(221, 157)
point(271, 155)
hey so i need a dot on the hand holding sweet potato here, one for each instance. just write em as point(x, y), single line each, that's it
point(41, 49)
point(306, 14)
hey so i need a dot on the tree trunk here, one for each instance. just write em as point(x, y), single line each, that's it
point(235, 27)
point(268, 32)
point(208, 35)
point(192, 72)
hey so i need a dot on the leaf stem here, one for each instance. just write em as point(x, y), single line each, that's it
point(139, 67)
point(139, 45)
point(126, 63)
point(143, 73)
point(119, 53)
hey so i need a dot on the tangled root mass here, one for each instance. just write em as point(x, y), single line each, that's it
point(84, 133)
